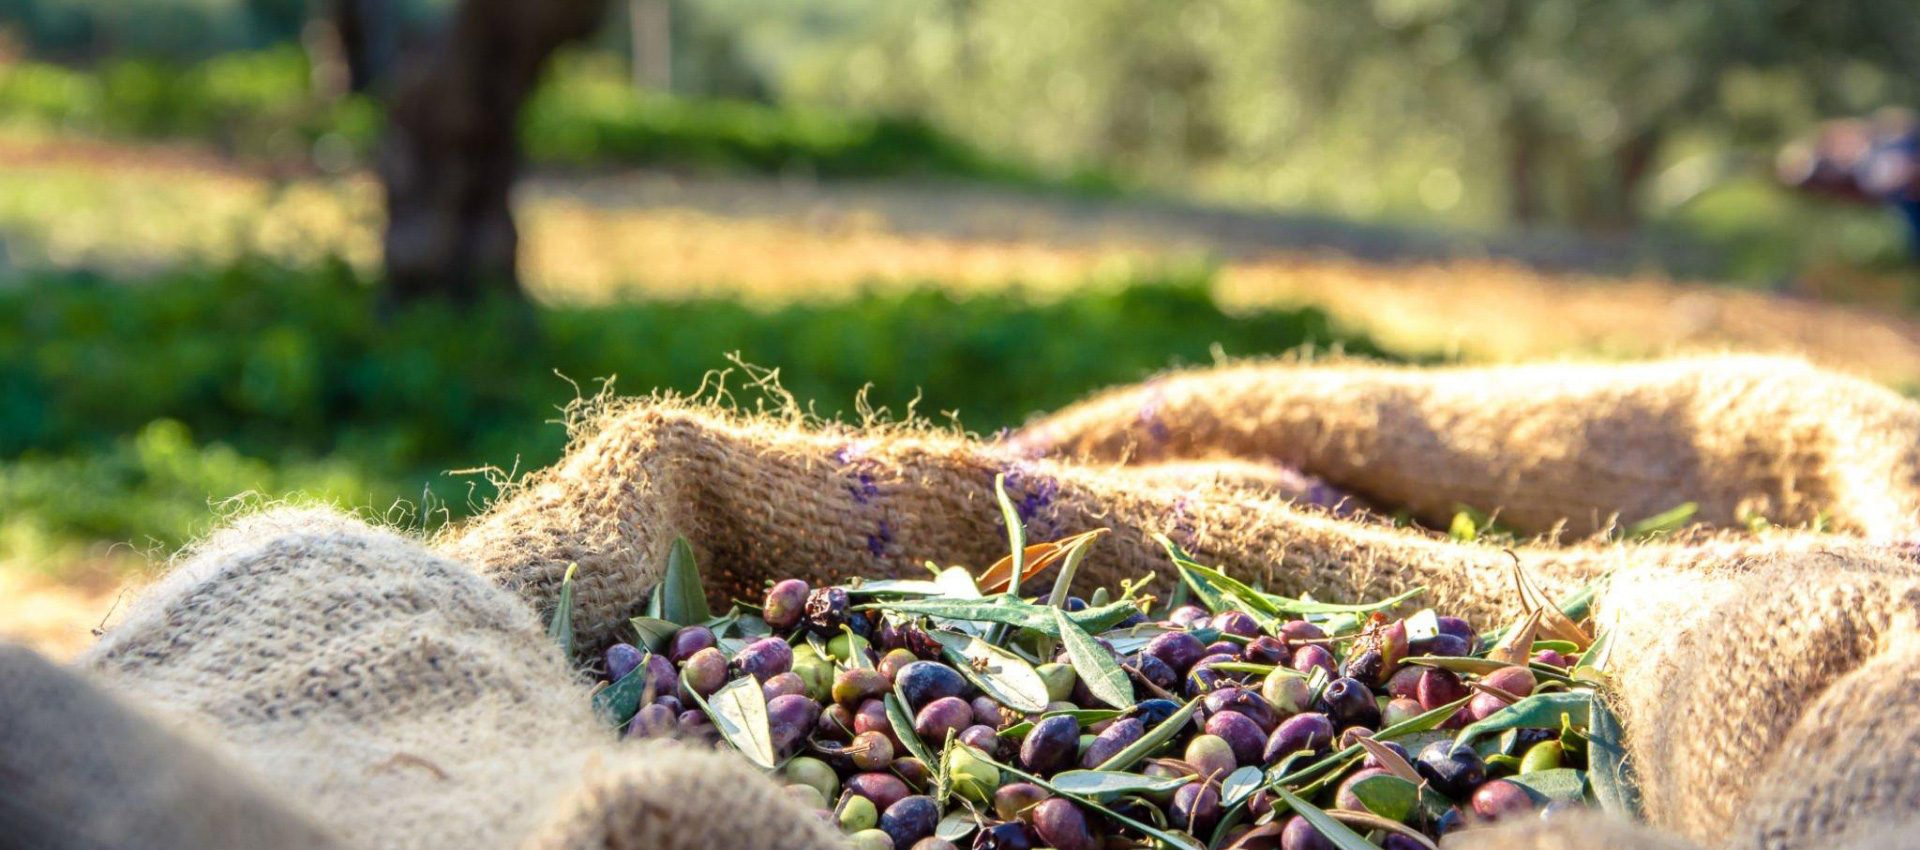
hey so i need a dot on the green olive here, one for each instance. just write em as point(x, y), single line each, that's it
point(1543, 756)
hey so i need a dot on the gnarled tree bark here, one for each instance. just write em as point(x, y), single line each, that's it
point(452, 151)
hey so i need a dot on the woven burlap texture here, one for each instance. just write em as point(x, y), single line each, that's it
point(406, 697)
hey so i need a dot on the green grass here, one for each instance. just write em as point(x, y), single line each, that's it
point(127, 408)
point(262, 104)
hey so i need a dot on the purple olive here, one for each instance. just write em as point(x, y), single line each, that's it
point(1188, 616)
point(1211, 756)
point(1050, 745)
point(1203, 679)
point(923, 682)
point(653, 721)
point(1224, 647)
point(1109, 743)
point(790, 718)
point(706, 671)
point(872, 716)
point(622, 658)
point(695, 724)
point(881, 789)
point(1061, 825)
point(1441, 645)
point(835, 724)
point(1458, 628)
point(1016, 797)
point(1300, 835)
point(910, 819)
point(1238, 623)
point(1306, 731)
point(1399, 711)
point(688, 641)
point(1515, 680)
point(933, 842)
point(1177, 650)
point(1241, 734)
point(913, 771)
point(1298, 630)
point(786, 601)
point(1551, 658)
point(1501, 800)
point(1196, 808)
point(1152, 670)
point(988, 712)
point(1454, 769)
point(895, 659)
point(1483, 706)
point(1348, 702)
point(1438, 687)
point(981, 738)
point(1312, 655)
point(1004, 836)
point(1405, 683)
point(1345, 798)
point(941, 717)
point(826, 611)
point(1153, 712)
point(661, 679)
point(671, 702)
point(764, 658)
point(1266, 649)
point(1397, 841)
point(1247, 702)
point(784, 684)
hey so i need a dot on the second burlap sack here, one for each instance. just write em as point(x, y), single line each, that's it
point(395, 697)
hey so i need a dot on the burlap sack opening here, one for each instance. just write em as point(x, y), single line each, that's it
point(400, 699)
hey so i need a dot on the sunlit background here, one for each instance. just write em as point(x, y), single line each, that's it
point(969, 209)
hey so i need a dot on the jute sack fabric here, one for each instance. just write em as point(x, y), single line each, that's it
point(1547, 446)
point(401, 697)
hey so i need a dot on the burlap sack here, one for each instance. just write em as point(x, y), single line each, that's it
point(1544, 444)
point(399, 700)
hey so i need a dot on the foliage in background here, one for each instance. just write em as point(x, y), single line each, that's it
point(262, 104)
point(123, 407)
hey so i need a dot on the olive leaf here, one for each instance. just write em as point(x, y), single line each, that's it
point(1390, 760)
point(1340, 834)
point(1177, 840)
point(1076, 551)
point(1107, 784)
point(560, 628)
point(1662, 523)
point(1458, 663)
point(1096, 668)
point(1540, 711)
point(1006, 677)
point(1016, 537)
point(1553, 621)
point(1083, 716)
point(956, 825)
point(654, 633)
point(739, 711)
point(1155, 738)
point(1390, 797)
point(679, 598)
point(1610, 774)
point(956, 583)
point(1240, 784)
point(901, 586)
point(1422, 625)
point(1555, 784)
point(856, 649)
point(1008, 611)
point(1514, 651)
point(617, 703)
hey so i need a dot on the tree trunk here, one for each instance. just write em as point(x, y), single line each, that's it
point(452, 151)
point(652, 22)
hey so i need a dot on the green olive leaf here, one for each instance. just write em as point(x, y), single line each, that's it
point(1610, 773)
point(1008, 611)
point(1388, 796)
point(1006, 677)
point(900, 586)
point(1339, 833)
point(857, 647)
point(1176, 840)
point(1105, 785)
point(560, 628)
point(1555, 784)
point(654, 633)
point(739, 711)
point(1540, 711)
point(617, 703)
point(958, 824)
point(1016, 532)
point(1240, 784)
point(1096, 668)
point(679, 597)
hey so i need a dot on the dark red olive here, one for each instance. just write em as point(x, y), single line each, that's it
point(1177, 650)
point(835, 724)
point(790, 718)
point(1306, 731)
point(1300, 835)
point(1014, 798)
point(1267, 649)
point(1188, 616)
point(1236, 623)
point(688, 641)
point(764, 658)
point(1241, 734)
point(1062, 826)
point(653, 721)
point(882, 789)
point(1437, 688)
point(1244, 701)
point(1299, 630)
point(1196, 808)
point(706, 671)
point(944, 716)
point(1312, 655)
point(784, 684)
point(981, 738)
point(1501, 800)
point(786, 602)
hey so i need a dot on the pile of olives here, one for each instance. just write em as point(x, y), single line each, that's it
point(1244, 731)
